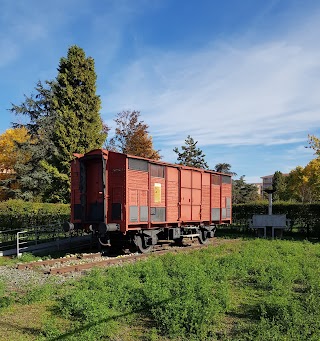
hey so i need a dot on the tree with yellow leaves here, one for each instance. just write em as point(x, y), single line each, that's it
point(10, 154)
point(304, 182)
point(314, 143)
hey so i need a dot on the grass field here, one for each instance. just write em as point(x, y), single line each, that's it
point(240, 290)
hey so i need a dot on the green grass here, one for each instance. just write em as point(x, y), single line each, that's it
point(241, 290)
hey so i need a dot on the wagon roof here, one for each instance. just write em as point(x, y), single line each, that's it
point(158, 162)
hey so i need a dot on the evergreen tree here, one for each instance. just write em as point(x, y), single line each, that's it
point(63, 119)
point(243, 192)
point(190, 155)
point(31, 180)
point(279, 185)
point(78, 127)
point(224, 168)
point(132, 136)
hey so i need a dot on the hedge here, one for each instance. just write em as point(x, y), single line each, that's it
point(306, 217)
point(17, 214)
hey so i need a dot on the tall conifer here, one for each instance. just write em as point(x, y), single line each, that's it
point(78, 127)
point(190, 155)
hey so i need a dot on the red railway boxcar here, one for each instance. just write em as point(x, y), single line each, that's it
point(129, 199)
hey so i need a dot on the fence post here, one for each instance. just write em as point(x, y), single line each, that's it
point(18, 253)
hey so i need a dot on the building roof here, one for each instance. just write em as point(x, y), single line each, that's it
point(271, 176)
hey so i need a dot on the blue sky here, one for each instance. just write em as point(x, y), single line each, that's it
point(241, 77)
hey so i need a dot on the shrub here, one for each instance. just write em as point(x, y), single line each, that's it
point(17, 214)
point(304, 216)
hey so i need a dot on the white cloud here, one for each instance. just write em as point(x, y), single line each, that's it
point(263, 93)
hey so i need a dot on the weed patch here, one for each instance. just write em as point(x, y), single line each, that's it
point(248, 290)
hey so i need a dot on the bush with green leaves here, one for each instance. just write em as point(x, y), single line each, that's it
point(304, 216)
point(18, 214)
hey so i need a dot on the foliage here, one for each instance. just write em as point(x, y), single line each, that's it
point(305, 216)
point(314, 143)
point(17, 214)
point(78, 127)
point(31, 179)
point(63, 118)
point(303, 184)
point(279, 184)
point(132, 136)
point(224, 168)
point(243, 192)
point(10, 155)
point(9, 151)
point(190, 155)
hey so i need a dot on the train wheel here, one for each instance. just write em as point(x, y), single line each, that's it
point(203, 237)
point(178, 242)
point(141, 244)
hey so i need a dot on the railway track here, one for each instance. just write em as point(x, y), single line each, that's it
point(85, 262)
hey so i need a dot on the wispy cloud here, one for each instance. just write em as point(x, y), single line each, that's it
point(265, 92)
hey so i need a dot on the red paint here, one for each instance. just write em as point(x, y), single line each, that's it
point(187, 194)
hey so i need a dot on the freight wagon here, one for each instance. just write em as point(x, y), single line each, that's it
point(129, 200)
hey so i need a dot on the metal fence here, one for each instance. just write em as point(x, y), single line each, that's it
point(37, 238)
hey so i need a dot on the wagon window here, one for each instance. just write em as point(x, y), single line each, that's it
point(226, 179)
point(215, 179)
point(157, 171)
point(136, 164)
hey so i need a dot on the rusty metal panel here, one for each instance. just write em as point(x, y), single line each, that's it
point(206, 177)
point(116, 183)
point(226, 190)
point(185, 196)
point(143, 198)
point(196, 212)
point(196, 179)
point(215, 196)
point(94, 191)
point(133, 197)
point(172, 194)
point(205, 197)
point(137, 180)
point(186, 212)
point(186, 178)
point(172, 174)
point(196, 197)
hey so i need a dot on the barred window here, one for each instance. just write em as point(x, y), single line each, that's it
point(157, 171)
point(226, 179)
point(215, 179)
point(136, 164)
